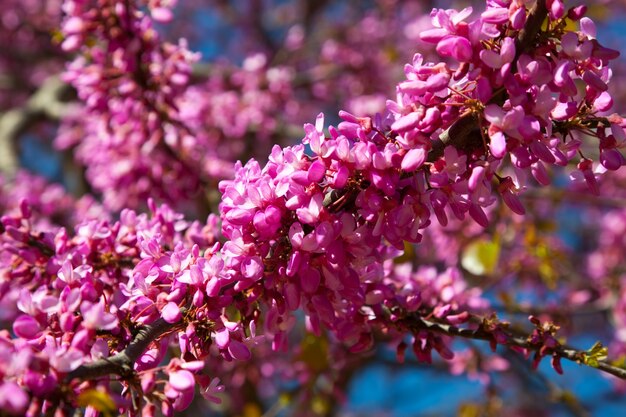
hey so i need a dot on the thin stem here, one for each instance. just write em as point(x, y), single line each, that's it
point(122, 362)
point(512, 340)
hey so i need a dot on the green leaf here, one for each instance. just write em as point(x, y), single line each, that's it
point(481, 256)
point(598, 352)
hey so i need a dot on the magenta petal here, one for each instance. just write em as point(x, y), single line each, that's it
point(438, 81)
point(239, 351)
point(222, 337)
point(497, 146)
point(162, 14)
point(316, 171)
point(604, 102)
point(563, 111)
point(13, 399)
point(542, 151)
point(171, 312)
point(479, 216)
point(491, 59)
point(513, 202)
point(540, 173)
point(405, 123)
point(293, 264)
point(478, 174)
point(26, 327)
point(193, 365)
point(561, 75)
point(494, 114)
point(433, 35)
point(495, 15)
point(507, 50)
point(594, 81)
point(456, 47)
point(252, 268)
point(611, 159)
point(239, 217)
point(292, 296)
point(310, 280)
point(413, 159)
point(588, 27)
point(182, 380)
point(413, 87)
point(67, 361)
point(518, 19)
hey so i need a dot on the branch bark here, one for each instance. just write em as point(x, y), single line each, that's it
point(122, 363)
point(513, 340)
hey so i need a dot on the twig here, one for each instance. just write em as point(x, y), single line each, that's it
point(512, 340)
point(122, 362)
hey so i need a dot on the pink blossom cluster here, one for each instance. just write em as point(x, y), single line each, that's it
point(50, 204)
point(144, 131)
point(318, 229)
point(238, 112)
point(604, 262)
point(317, 222)
point(77, 298)
point(129, 81)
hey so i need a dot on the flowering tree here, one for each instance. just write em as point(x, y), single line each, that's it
point(415, 222)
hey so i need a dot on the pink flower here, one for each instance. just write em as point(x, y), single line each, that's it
point(182, 380)
point(211, 391)
point(13, 399)
point(95, 316)
point(171, 312)
point(456, 47)
point(26, 327)
point(497, 60)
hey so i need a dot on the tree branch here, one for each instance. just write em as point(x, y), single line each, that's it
point(513, 340)
point(46, 103)
point(122, 363)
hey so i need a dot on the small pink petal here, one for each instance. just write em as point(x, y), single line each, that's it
point(497, 145)
point(310, 280)
point(182, 380)
point(171, 312)
point(588, 27)
point(611, 159)
point(456, 47)
point(413, 159)
point(222, 338)
point(26, 327)
point(316, 171)
point(239, 351)
point(478, 174)
point(491, 59)
point(405, 123)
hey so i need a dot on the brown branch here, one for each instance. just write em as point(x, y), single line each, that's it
point(310, 10)
point(122, 363)
point(512, 340)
